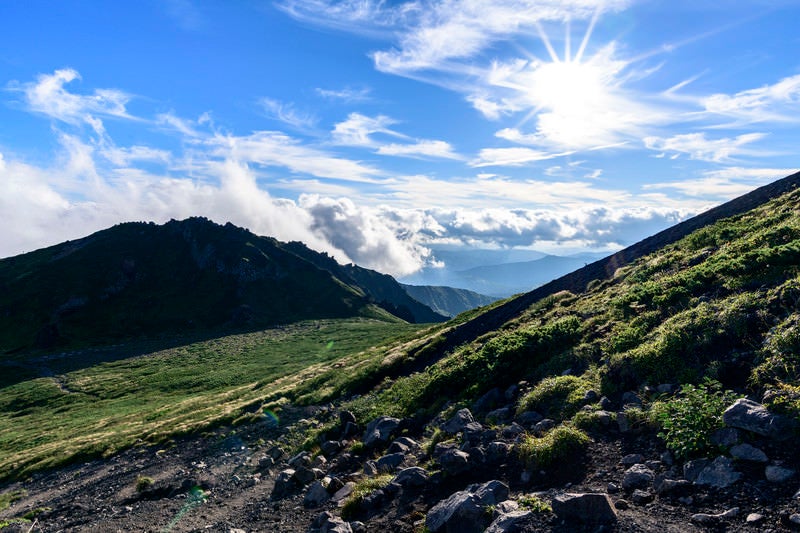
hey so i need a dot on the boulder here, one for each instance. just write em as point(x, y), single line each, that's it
point(713, 520)
point(327, 522)
point(632, 459)
point(692, 469)
point(285, 484)
point(587, 509)
point(725, 437)
point(454, 462)
point(529, 418)
point(389, 463)
point(508, 522)
point(301, 459)
point(316, 495)
point(719, 474)
point(497, 452)
point(499, 415)
point(331, 447)
point(543, 426)
point(637, 477)
point(671, 487)
point(458, 421)
point(487, 401)
point(411, 477)
point(464, 511)
point(304, 475)
point(380, 430)
point(778, 474)
point(747, 452)
point(641, 497)
point(752, 416)
point(344, 492)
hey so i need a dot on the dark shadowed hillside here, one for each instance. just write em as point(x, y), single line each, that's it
point(448, 300)
point(138, 279)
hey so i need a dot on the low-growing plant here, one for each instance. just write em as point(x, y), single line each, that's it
point(7, 498)
point(556, 397)
point(535, 504)
point(562, 443)
point(363, 489)
point(143, 483)
point(688, 420)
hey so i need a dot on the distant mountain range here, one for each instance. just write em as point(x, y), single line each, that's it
point(447, 300)
point(142, 279)
point(499, 273)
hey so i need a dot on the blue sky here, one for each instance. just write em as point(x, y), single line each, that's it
point(383, 131)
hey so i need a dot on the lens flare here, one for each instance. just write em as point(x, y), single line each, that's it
point(272, 418)
point(195, 498)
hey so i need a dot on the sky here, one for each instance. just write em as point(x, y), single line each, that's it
point(382, 131)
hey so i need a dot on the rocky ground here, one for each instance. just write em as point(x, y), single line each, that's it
point(456, 473)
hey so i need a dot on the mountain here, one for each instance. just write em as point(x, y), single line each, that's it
point(657, 389)
point(143, 279)
point(447, 300)
point(499, 273)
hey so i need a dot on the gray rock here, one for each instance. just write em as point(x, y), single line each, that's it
point(591, 396)
point(497, 452)
point(411, 477)
point(499, 415)
point(631, 398)
point(622, 505)
point(487, 401)
point(330, 447)
point(276, 452)
point(692, 469)
point(606, 404)
point(301, 459)
point(632, 459)
point(543, 426)
point(754, 518)
point(285, 484)
point(389, 463)
point(380, 430)
point(508, 522)
point(458, 421)
point(463, 511)
point(705, 519)
point(508, 506)
point(350, 430)
point(454, 462)
point(513, 430)
point(622, 422)
point(304, 475)
point(316, 495)
point(584, 508)
point(671, 487)
point(794, 519)
point(370, 468)
point(327, 522)
point(778, 474)
point(266, 462)
point(726, 437)
point(529, 418)
point(719, 474)
point(344, 492)
point(636, 477)
point(511, 392)
point(641, 497)
point(752, 416)
point(345, 417)
point(667, 458)
point(746, 452)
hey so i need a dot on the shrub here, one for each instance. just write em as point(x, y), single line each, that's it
point(535, 504)
point(363, 489)
point(560, 444)
point(558, 397)
point(143, 483)
point(688, 420)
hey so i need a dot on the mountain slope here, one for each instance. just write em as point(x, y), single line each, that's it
point(448, 300)
point(143, 279)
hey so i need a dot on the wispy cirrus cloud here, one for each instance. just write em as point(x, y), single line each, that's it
point(723, 184)
point(697, 146)
point(347, 94)
point(779, 102)
point(288, 113)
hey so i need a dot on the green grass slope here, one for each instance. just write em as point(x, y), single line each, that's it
point(717, 300)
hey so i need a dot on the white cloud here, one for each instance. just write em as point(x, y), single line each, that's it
point(288, 113)
point(723, 184)
point(48, 96)
point(347, 94)
point(778, 102)
point(438, 149)
point(697, 146)
point(511, 157)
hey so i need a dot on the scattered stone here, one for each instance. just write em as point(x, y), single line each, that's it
point(499, 415)
point(636, 477)
point(301, 459)
point(487, 401)
point(692, 469)
point(632, 459)
point(304, 475)
point(705, 519)
point(622, 422)
point(266, 462)
point(330, 447)
point(584, 508)
point(667, 458)
point(752, 416)
point(514, 430)
point(543, 426)
point(665, 388)
point(612, 488)
point(327, 522)
point(389, 463)
point(458, 421)
point(344, 492)
point(497, 452)
point(317, 494)
point(380, 430)
point(606, 404)
point(345, 417)
point(725, 437)
point(778, 474)
point(671, 487)
point(350, 430)
point(370, 468)
point(463, 511)
point(529, 418)
point(641, 497)
point(276, 452)
point(795, 519)
point(508, 522)
point(631, 398)
point(507, 506)
point(285, 484)
point(511, 392)
point(454, 462)
point(719, 473)
point(411, 477)
point(622, 505)
point(754, 518)
point(746, 452)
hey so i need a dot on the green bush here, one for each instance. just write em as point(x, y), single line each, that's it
point(563, 443)
point(556, 397)
point(534, 504)
point(363, 489)
point(143, 483)
point(688, 420)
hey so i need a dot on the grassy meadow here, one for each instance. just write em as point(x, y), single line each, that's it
point(108, 406)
